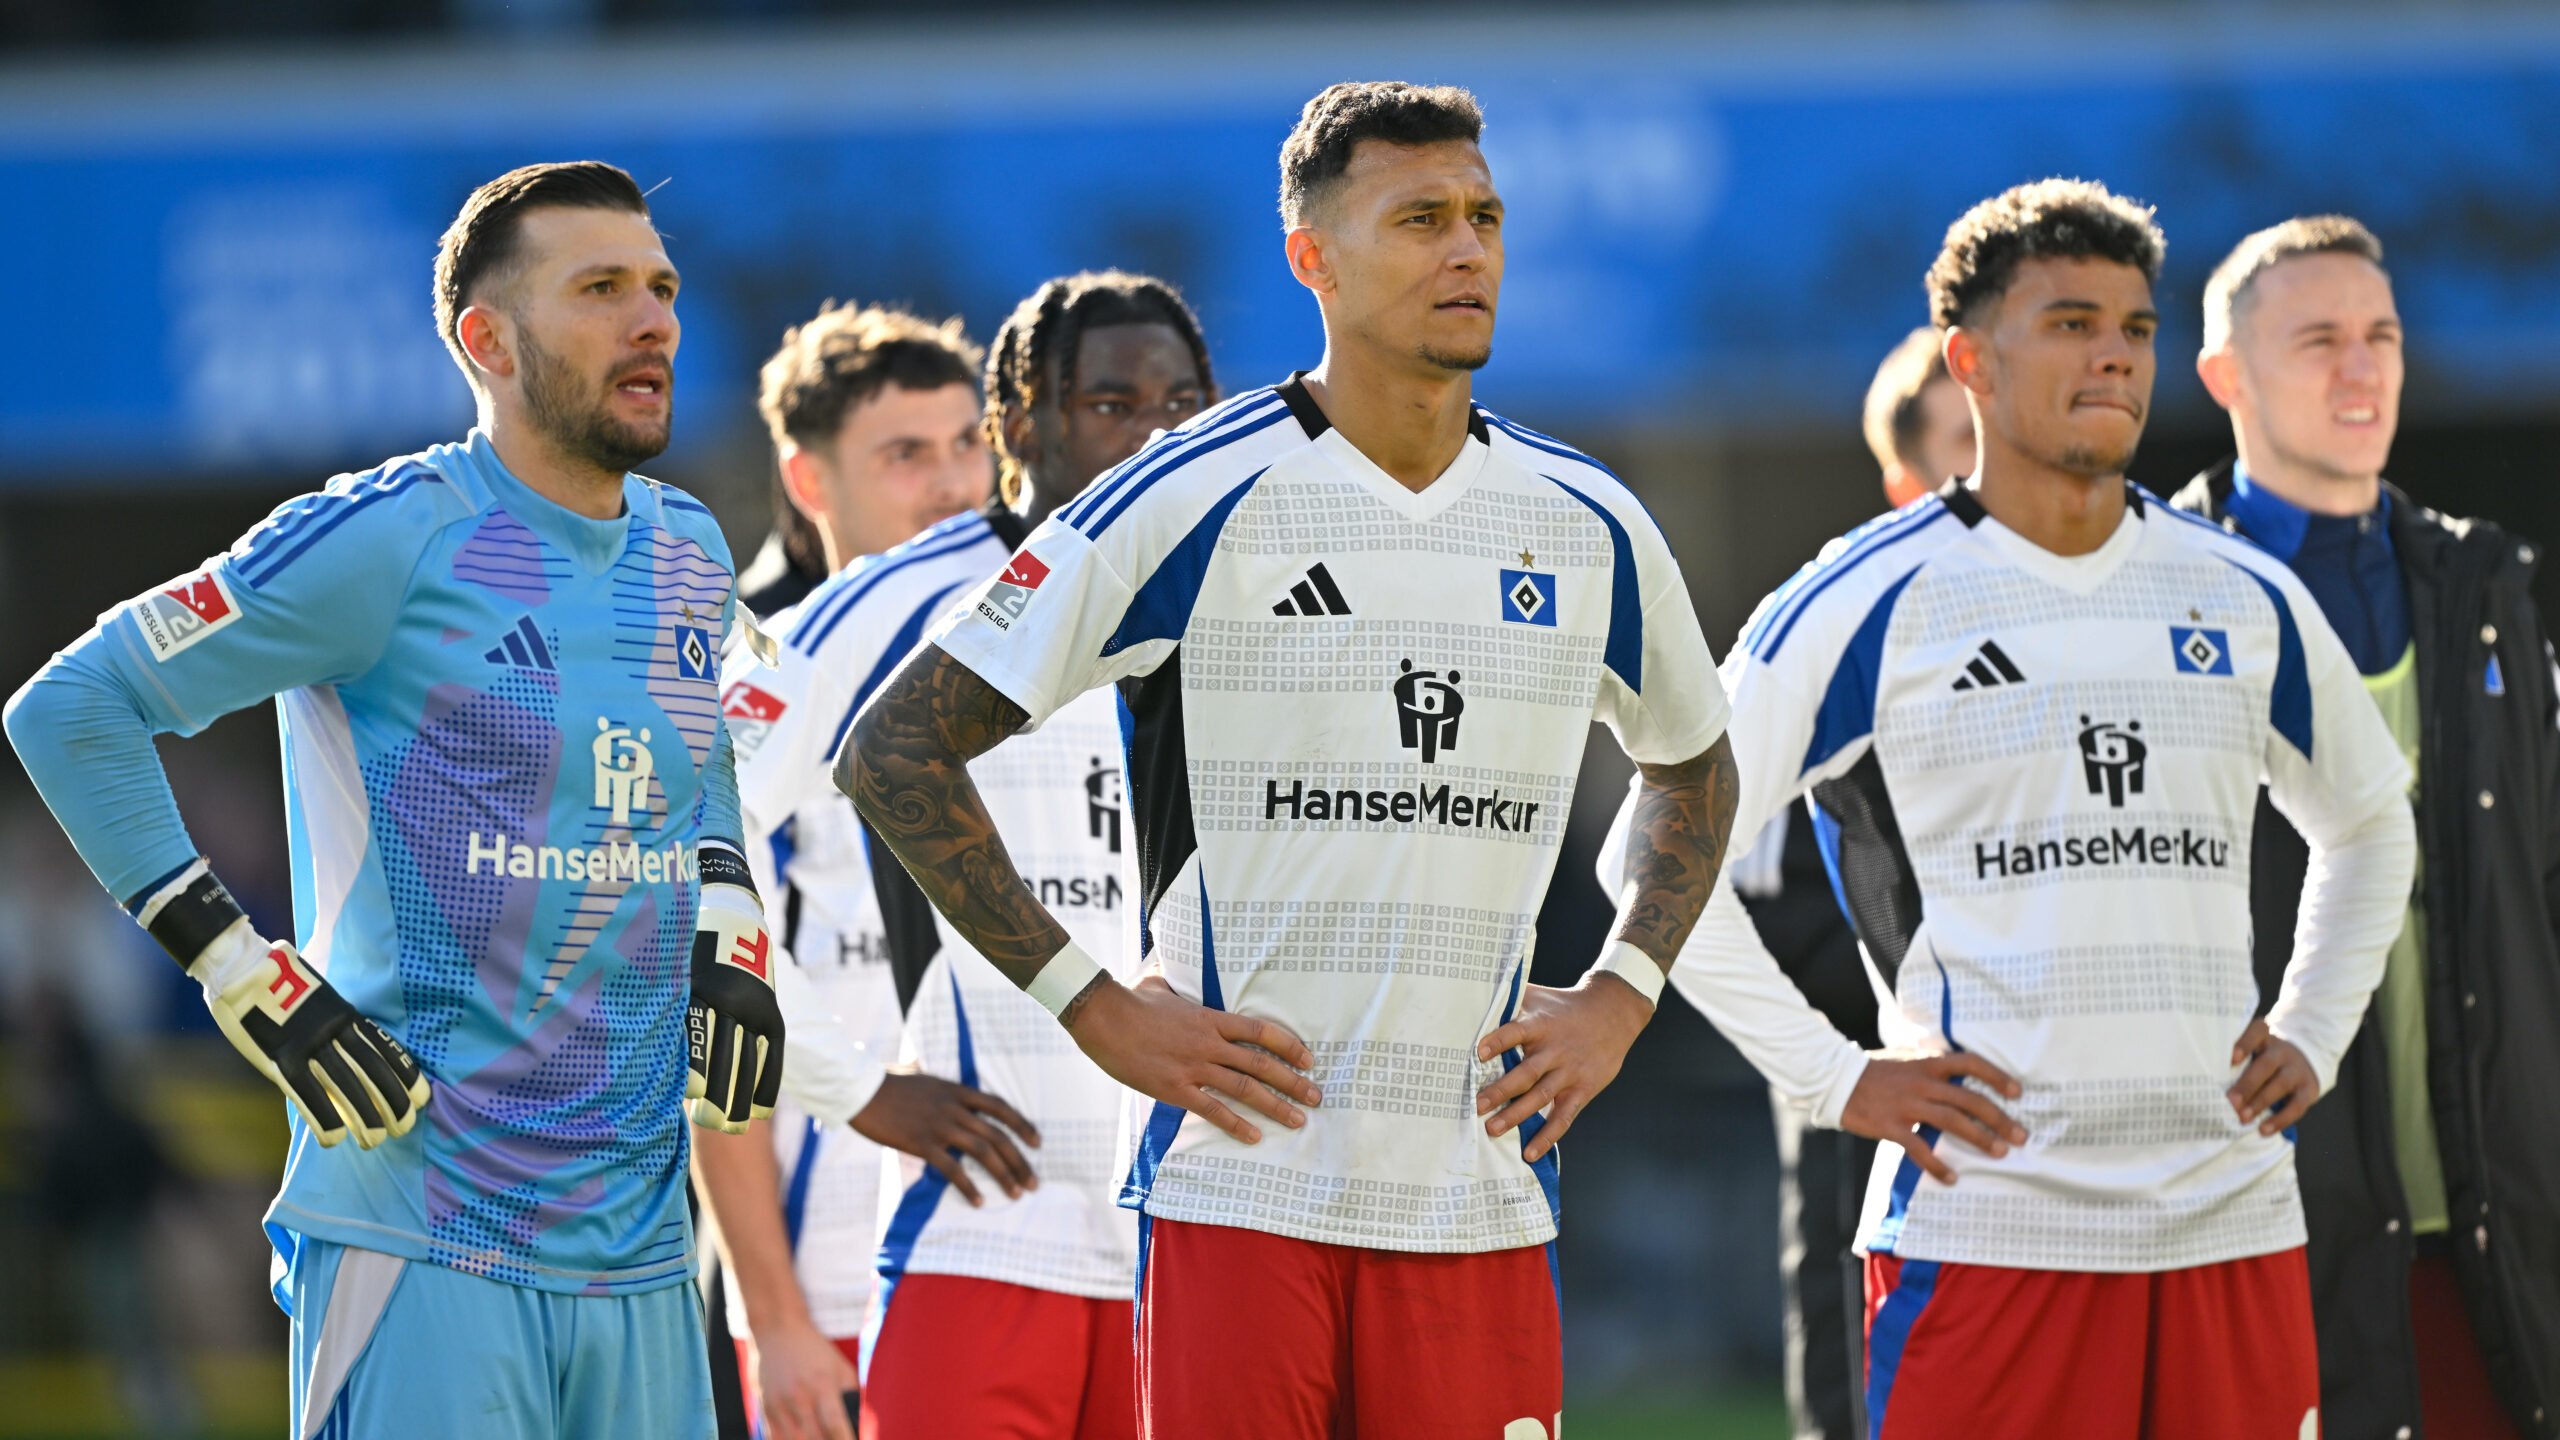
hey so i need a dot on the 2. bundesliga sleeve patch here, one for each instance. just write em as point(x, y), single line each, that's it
point(175, 618)
point(1010, 591)
point(751, 713)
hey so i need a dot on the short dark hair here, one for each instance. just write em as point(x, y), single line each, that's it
point(1894, 417)
point(2049, 219)
point(839, 358)
point(480, 246)
point(1335, 122)
point(2228, 289)
point(1051, 321)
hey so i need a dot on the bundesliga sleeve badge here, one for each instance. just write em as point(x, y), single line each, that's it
point(175, 618)
point(1010, 591)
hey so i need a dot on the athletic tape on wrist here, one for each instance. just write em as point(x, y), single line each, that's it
point(1063, 978)
point(1635, 967)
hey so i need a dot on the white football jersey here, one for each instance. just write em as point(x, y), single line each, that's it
point(812, 863)
point(1356, 713)
point(2036, 779)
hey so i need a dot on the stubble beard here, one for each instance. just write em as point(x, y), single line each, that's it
point(2092, 462)
point(1456, 359)
point(579, 421)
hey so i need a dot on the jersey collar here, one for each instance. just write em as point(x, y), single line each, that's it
point(1432, 499)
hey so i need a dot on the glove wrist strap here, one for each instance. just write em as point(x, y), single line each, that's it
point(1063, 978)
point(190, 914)
point(1635, 967)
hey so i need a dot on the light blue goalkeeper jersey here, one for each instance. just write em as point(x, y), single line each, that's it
point(502, 744)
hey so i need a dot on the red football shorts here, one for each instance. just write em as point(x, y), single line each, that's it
point(1984, 1352)
point(1244, 1335)
point(960, 1358)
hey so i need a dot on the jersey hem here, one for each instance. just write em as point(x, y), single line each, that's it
point(1123, 1289)
point(2212, 1255)
point(409, 1245)
point(1154, 1208)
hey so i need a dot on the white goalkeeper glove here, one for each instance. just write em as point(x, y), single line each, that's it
point(337, 1067)
point(733, 1025)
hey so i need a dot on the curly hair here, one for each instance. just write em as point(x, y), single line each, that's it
point(1048, 325)
point(1334, 123)
point(2048, 219)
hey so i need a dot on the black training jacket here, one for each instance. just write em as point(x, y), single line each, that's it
point(2489, 835)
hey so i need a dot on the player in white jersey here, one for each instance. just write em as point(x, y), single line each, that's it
point(2035, 711)
point(1011, 1317)
point(1361, 629)
point(875, 422)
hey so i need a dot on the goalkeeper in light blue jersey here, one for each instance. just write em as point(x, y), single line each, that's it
point(521, 907)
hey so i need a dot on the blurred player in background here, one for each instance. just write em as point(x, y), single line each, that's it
point(515, 842)
point(1008, 1315)
point(1361, 629)
point(2431, 1177)
point(2045, 853)
point(874, 415)
point(1918, 425)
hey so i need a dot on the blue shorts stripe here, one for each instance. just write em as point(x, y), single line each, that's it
point(1891, 1335)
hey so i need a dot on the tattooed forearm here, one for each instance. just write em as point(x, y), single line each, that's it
point(906, 766)
point(1683, 816)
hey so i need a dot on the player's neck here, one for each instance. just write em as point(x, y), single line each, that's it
point(2058, 510)
point(573, 485)
point(1410, 424)
point(2303, 485)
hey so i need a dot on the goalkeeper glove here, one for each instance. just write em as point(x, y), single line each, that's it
point(337, 1067)
point(733, 1025)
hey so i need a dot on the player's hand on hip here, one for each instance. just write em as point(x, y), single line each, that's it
point(1167, 1048)
point(2279, 1083)
point(733, 1025)
point(1900, 1091)
point(801, 1379)
point(1571, 1043)
point(938, 1122)
point(340, 1070)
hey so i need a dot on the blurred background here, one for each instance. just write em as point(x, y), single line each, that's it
point(221, 217)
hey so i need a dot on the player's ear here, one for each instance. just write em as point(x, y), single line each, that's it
point(1901, 487)
point(1019, 438)
point(1968, 358)
point(1308, 260)
point(801, 481)
point(484, 336)
point(2220, 372)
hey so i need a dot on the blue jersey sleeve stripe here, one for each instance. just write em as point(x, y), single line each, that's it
point(1156, 457)
point(2289, 706)
point(1161, 610)
point(900, 644)
point(1207, 445)
point(300, 512)
point(1810, 582)
point(681, 502)
point(1624, 654)
point(819, 617)
point(262, 569)
point(1848, 710)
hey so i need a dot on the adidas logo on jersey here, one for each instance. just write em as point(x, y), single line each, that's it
point(522, 648)
point(1990, 666)
point(1316, 595)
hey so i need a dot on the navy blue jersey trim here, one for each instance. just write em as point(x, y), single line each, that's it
point(1171, 450)
point(1848, 710)
point(1161, 610)
point(895, 652)
point(1103, 520)
point(1166, 1120)
point(1624, 654)
point(2289, 703)
point(1865, 543)
point(823, 612)
point(257, 569)
point(795, 1200)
